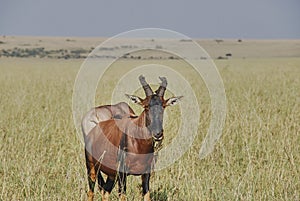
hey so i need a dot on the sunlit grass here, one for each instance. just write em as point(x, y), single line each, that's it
point(257, 157)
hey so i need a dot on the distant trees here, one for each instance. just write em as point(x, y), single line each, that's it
point(42, 53)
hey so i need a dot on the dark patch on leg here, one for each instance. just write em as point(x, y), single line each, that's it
point(101, 181)
point(90, 171)
point(109, 185)
point(145, 183)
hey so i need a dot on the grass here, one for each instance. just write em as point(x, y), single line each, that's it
point(257, 157)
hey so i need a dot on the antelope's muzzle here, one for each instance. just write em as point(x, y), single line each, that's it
point(158, 136)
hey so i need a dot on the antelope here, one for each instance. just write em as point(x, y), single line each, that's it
point(118, 147)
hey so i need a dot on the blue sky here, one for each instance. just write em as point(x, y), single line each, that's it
point(262, 19)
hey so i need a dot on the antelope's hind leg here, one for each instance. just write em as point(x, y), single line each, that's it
point(91, 172)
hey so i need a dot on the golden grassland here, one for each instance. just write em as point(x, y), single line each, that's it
point(257, 157)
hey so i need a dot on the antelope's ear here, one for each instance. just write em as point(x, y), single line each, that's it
point(173, 101)
point(134, 99)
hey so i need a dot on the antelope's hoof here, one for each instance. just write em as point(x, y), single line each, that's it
point(147, 196)
point(90, 195)
point(105, 196)
point(122, 197)
point(102, 192)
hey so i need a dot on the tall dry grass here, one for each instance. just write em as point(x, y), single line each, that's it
point(257, 157)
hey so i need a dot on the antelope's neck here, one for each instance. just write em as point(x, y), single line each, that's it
point(141, 126)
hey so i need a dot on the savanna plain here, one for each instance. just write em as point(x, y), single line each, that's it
point(256, 158)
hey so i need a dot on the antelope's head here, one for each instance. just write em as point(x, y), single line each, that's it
point(154, 105)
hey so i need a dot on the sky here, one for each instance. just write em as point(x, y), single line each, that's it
point(253, 19)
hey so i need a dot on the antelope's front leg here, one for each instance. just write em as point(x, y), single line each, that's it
point(108, 187)
point(145, 185)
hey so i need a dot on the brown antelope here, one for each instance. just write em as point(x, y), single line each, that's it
point(124, 146)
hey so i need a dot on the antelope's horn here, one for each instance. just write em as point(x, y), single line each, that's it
point(162, 88)
point(146, 87)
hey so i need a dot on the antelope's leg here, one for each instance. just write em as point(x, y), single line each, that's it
point(145, 185)
point(122, 185)
point(108, 187)
point(91, 175)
